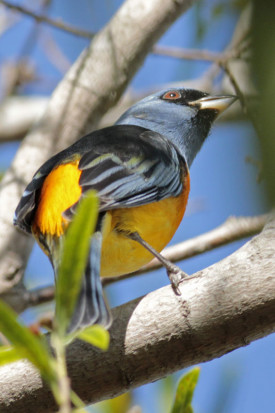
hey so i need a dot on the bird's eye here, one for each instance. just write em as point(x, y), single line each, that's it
point(171, 95)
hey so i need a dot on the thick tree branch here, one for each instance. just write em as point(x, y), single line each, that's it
point(17, 114)
point(221, 308)
point(92, 85)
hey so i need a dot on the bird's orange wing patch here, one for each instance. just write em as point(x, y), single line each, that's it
point(60, 190)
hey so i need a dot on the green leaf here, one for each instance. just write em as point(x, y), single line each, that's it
point(166, 391)
point(25, 343)
point(185, 392)
point(8, 354)
point(78, 403)
point(119, 404)
point(95, 335)
point(73, 262)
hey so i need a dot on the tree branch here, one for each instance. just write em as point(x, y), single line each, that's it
point(51, 22)
point(221, 308)
point(196, 54)
point(93, 84)
point(18, 113)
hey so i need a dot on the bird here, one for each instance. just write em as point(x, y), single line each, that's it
point(139, 168)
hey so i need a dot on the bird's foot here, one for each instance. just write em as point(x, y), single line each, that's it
point(176, 276)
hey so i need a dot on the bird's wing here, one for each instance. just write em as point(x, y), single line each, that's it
point(127, 165)
point(131, 166)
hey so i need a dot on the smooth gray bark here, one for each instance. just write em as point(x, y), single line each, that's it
point(221, 308)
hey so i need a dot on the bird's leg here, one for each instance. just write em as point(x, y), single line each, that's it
point(175, 274)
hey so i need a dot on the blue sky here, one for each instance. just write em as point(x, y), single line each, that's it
point(222, 184)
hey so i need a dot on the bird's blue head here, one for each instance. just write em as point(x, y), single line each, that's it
point(184, 116)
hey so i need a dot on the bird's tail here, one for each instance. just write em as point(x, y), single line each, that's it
point(91, 307)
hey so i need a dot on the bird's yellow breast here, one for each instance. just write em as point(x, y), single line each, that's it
point(156, 223)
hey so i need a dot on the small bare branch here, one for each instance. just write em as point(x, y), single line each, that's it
point(40, 296)
point(195, 54)
point(235, 86)
point(51, 22)
point(244, 100)
point(16, 74)
point(54, 53)
point(187, 54)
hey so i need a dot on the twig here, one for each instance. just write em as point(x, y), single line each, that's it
point(207, 55)
point(40, 296)
point(235, 85)
point(243, 100)
point(6, 23)
point(54, 53)
point(233, 229)
point(51, 22)
point(188, 54)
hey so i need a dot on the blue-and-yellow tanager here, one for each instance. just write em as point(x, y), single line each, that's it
point(139, 168)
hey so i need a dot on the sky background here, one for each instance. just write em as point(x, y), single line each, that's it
point(222, 184)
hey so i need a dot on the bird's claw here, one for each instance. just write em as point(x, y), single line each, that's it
point(176, 276)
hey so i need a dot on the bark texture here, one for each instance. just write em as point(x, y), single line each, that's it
point(221, 308)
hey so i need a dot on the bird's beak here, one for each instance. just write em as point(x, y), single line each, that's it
point(218, 103)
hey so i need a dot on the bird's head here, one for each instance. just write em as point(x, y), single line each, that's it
point(184, 116)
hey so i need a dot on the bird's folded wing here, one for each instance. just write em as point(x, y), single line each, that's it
point(132, 168)
point(127, 165)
